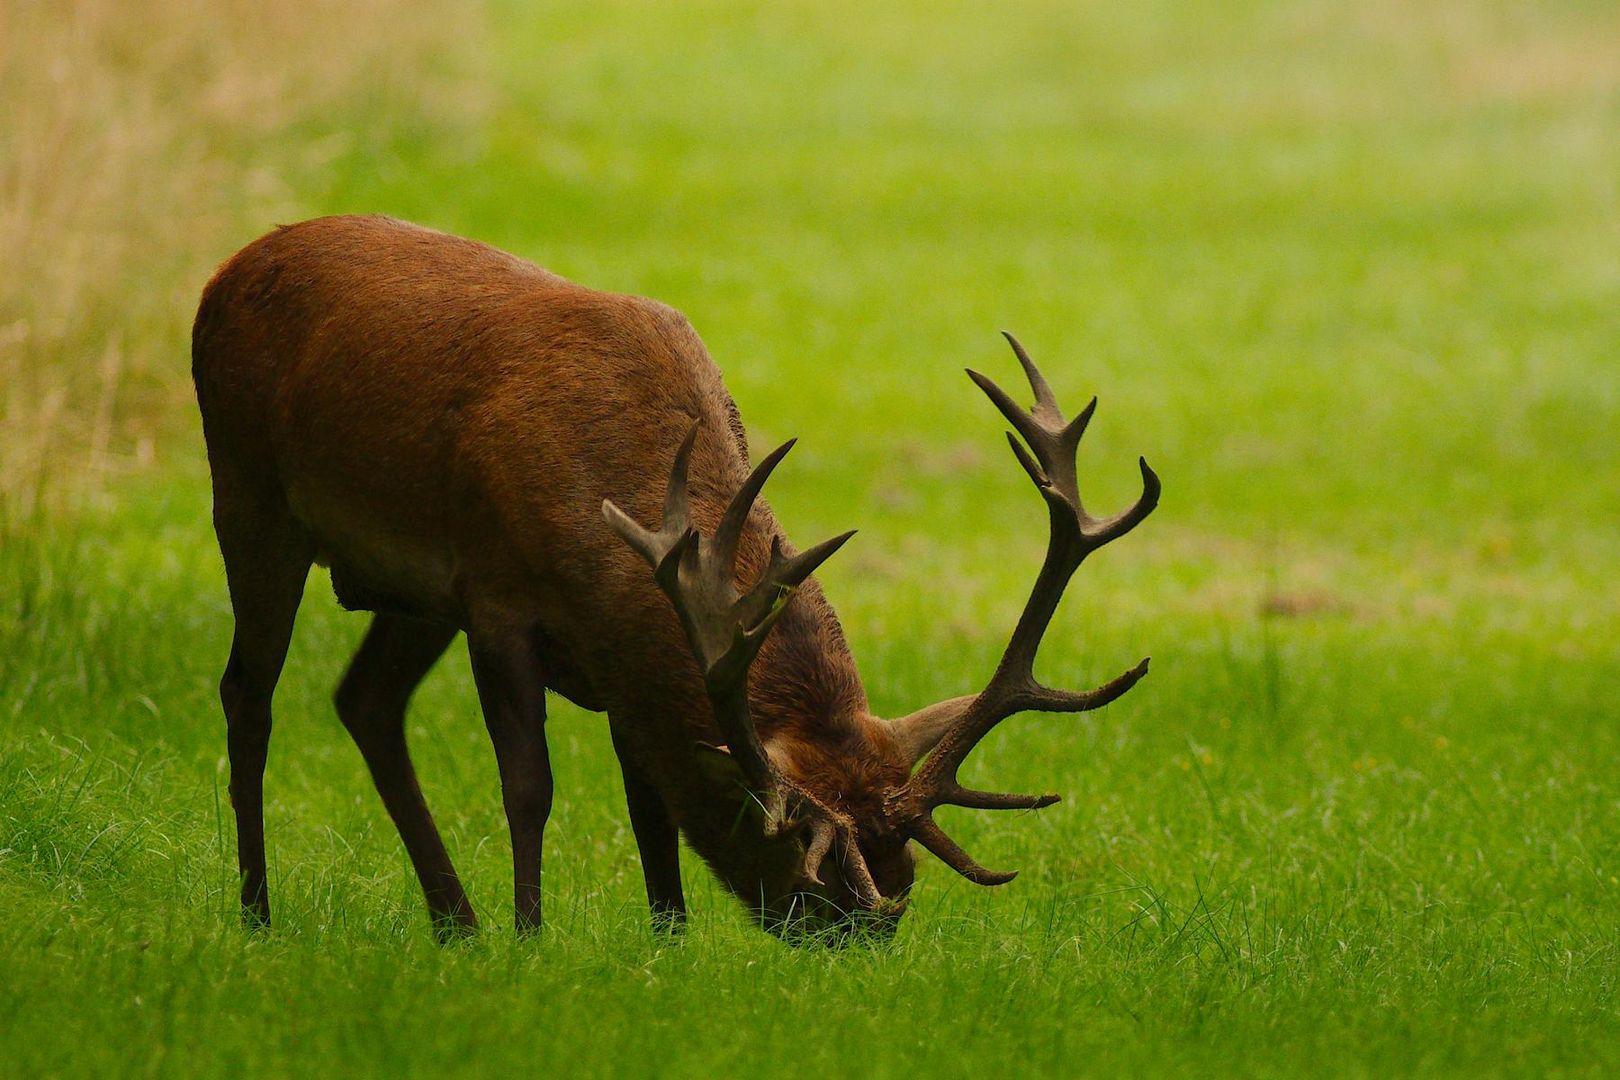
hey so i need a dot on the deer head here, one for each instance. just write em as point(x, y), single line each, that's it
point(839, 837)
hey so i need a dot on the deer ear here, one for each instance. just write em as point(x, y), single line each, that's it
point(921, 731)
point(717, 764)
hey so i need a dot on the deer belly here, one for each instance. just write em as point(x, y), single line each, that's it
point(376, 564)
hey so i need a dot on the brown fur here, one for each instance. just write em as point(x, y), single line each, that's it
point(439, 422)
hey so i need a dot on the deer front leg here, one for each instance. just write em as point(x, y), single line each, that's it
point(512, 692)
point(657, 840)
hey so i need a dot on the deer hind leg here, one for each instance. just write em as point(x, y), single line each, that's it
point(512, 690)
point(658, 842)
point(267, 556)
point(395, 656)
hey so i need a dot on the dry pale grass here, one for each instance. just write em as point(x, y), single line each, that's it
point(140, 144)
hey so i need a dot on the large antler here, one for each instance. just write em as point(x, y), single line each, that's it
point(955, 727)
point(726, 629)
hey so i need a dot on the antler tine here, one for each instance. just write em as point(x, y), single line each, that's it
point(1020, 418)
point(1037, 381)
point(927, 833)
point(729, 533)
point(956, 795)
point(859, 875)
point(827, 828)
point(677, 510)
point(1077, 429)
point(822, 834)
point(784, 574)
point(791, 571)
point(1047, 453)
point(1045, 699)
point(1117, 526)
point(1031, 466)
point(656, 546)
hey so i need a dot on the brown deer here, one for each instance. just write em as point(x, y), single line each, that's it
point(446, 426)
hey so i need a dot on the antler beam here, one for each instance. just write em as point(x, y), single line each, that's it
point(726, 630)
point(1050, 461)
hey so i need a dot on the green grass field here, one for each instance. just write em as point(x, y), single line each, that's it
point(1345, 274)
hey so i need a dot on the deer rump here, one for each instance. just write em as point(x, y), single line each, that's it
point(445, 425)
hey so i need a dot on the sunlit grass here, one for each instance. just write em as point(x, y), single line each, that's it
point(141, 145)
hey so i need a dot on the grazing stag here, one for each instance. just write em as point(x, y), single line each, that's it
point(446, 427)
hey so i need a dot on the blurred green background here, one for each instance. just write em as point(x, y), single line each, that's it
point(1346, 274)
